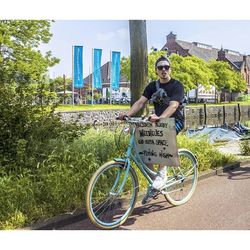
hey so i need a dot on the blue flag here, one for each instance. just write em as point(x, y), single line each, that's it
point(78, 67)
point(115, 70)
point(97, 80)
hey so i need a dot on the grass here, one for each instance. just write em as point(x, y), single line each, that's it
point(242, 157)
point(85, 107)
point(90, 107)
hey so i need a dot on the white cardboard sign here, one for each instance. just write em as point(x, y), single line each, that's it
point(156, 142)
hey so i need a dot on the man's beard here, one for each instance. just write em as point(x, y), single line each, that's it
point(166, 77)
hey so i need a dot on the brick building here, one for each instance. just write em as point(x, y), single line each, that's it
point(239, 62)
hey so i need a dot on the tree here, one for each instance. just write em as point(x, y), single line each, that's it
point(27, 118)
point(239, 82)
point(58, 84)
point(20, 59)
point(152, 57)
point(138, 58)
point(180, 71)
point(97, 96)
point(125, 67)
point(191, 71)
point(226, 78)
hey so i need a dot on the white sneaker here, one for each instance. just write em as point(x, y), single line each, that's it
point(160, 179)
point(151, 193)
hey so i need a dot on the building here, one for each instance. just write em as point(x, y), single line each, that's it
point(124, 90)
point(239, 62)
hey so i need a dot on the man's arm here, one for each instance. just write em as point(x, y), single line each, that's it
point(173, 105)
point(138, 105)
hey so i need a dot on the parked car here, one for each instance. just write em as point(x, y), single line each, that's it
point(123, 100)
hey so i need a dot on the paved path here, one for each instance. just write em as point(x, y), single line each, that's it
point(219, 202)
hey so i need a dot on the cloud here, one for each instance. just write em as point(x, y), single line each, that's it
point(121, 34)
point(105, 36)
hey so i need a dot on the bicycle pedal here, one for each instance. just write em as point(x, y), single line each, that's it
point(155, 195)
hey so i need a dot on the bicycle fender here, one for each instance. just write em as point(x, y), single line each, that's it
point(119, 160)
point(191, 153)
point(126, 161)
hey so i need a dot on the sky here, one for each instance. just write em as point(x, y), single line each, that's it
point(113, 35)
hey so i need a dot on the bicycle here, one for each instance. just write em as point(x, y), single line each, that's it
point(112, 191)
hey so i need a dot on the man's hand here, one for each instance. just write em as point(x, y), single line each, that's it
point(122, 116)
point(153, 118)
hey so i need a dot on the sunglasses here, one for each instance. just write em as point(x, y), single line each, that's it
point(166, 67)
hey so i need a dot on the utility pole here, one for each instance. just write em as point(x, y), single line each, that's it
point(64, 88)
point(139, 59)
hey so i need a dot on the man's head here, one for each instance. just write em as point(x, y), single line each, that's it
point(162, 60)
point(162, 68)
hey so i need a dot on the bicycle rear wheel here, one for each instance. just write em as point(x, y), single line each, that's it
point(183, 178)
point(107, 205)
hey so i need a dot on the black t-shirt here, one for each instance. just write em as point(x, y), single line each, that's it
point(174, 90)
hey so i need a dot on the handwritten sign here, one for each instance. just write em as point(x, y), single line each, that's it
point(156, 142)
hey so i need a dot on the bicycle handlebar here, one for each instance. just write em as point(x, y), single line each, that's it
point(135, 119)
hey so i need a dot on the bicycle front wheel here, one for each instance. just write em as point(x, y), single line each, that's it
point(183, 179)
point(109, 202)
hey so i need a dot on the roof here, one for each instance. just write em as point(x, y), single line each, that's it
point(207, 52)
point(194, 50)
point(105, 74)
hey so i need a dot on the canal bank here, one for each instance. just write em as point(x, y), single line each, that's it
point(195, 116)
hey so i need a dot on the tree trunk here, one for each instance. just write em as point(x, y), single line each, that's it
point(139, 59)
point(196, 94)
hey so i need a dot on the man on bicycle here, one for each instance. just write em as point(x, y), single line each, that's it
point(167, 95)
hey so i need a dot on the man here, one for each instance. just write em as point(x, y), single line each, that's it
point(167, 95)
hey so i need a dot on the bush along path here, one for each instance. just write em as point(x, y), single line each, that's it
point(56, 184)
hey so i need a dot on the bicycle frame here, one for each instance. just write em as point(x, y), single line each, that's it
point(146, 171)
point(135, 158)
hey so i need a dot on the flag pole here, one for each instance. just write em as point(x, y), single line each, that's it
point(92, 76)
point(89, 77)
point(64, 88)
point(73, 87)
point(110, 72)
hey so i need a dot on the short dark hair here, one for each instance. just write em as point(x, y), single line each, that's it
point(162, 58)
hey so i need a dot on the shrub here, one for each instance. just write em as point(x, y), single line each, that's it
point(17, 200)
point(58, 183)
point(27, 128)
point(207, 156)
point(245, 148)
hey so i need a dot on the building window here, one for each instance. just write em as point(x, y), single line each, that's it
point(202, 45)
point(231, 52)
